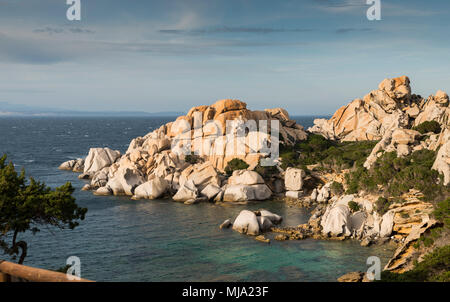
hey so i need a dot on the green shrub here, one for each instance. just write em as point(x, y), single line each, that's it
point(428, 126)
point(397, 175)
point(235, 164)
point(329, 154)
point(192, 159)
point(266, 171)
point(442, 212)
point(382, 205)
point(354, 206)
point(337, 188)
point(435, 267)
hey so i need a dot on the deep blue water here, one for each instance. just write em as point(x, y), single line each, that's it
point(159, 240)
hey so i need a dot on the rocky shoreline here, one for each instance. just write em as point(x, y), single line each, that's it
point(391, 117)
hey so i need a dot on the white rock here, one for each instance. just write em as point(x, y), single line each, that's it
point(387, 223)
point(187, 191)
point(125, 181)
point(293, 179)
point(294, 194)
point(314, 194)
point(98, 158)
point(335, 221)
point(442, 162)
point(103, 191)
point(247, 223)
point(210, 191)
point(226, 224)
point(152, 189)
point(244, 177)
point(274, 218)
point(235, 193)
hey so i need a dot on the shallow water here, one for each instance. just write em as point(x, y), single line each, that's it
point(159, 240)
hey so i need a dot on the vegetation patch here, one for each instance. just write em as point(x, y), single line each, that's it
point(331, 155)
point(393, 176)
point(428, 126)
point(235, 164)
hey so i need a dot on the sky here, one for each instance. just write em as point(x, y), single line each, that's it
point(308, 56)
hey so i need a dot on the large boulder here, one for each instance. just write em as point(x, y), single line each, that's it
point(98, 158)
point(244, 177)
point(293, 179)
point(253, 223)
point(187, 191)
point(387, 224)
point(125, 181)
point(336, 220)
point(152, 189)
point(211, 191)
point(201, 175)
point(236, 193)
point(247, 223)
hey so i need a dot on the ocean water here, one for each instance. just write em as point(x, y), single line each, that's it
point(159, 240)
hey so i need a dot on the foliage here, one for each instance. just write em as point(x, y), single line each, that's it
point(382, 205)
point(26, 206)
point(397, 175)
point(442, 212)
point(266, 171)
point(354, 206)
point(434, 268)
point(336, 188)
point(192, 159)
point(329, 154)
point(428, 126)
point(235, 164)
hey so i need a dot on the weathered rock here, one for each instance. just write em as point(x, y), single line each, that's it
point(75, 165)
point(86, 187)
point(244, 177)
point(262, 239)
point(293, 179)
point(98, 158)
point(274, 218)
point(211, 191)
point(294, 194)
point(387, 224)
point(235, 193)
point(442, 162)
point(353, 277)
point(335, 221)
point(103, 191)
point(247, 223)
point(187, 191)
point(125, 180)
point(151, 189)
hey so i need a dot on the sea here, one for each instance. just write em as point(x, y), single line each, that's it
point(159, 240)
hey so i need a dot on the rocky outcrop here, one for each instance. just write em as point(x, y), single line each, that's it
point(293, 179)
point(187, 192)
point(237, 193)
point(369, 118)
point(389, 107)
point(99, 158)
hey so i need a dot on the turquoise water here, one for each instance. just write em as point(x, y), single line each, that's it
point(159, 240)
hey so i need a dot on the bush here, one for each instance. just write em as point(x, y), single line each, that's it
point(354, 206)
point(192, 159)
point(428, 126)
point(337, 188)
point(442, 212)
point(397, 175)
point(330, 154)
point(235, 164)
point(266, 171)
point(434, 268)
point(382, 205)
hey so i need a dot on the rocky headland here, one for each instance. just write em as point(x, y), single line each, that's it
point(377, 171)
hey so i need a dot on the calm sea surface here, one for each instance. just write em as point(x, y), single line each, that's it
point(159, 240)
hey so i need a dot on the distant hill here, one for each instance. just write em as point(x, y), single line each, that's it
point(7, 109)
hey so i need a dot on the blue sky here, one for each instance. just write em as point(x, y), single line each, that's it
point(310, 56)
